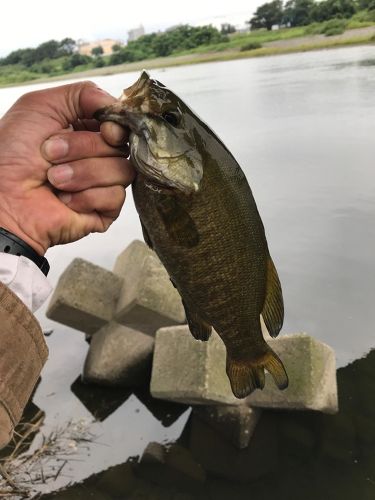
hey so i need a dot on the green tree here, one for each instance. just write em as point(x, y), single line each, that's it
point(267, 15)
point(367, 4)
point(97, 51)
point(75, 60)
point(298, 12)
point(330, 9)
point(67, 46)
point(116, 47)
point(47, 50)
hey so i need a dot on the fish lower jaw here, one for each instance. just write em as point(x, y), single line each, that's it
point(156, 187)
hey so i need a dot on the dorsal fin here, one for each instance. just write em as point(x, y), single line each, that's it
point(273, 308)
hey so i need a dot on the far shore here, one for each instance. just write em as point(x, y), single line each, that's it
point(360, 36)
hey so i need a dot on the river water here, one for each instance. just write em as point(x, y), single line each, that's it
point(302, 127)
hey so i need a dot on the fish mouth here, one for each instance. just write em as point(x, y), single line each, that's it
point(117, 114)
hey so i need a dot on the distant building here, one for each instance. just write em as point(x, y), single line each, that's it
point(85, 48)
point(238, 20)
point(136, 33)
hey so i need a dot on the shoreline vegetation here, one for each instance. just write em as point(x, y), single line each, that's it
point(316, 36)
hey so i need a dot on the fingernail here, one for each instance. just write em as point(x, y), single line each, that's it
point(55, 149)
point(65, 198)
point(60, 175)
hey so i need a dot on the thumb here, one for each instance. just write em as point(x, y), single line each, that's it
point(67, 103)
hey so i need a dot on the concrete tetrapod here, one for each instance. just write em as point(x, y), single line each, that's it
point(119, 356)
point(85, 296)
point(311, 369)
point(148, 300)
point(188, 370)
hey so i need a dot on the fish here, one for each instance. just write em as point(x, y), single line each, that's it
point(198, 214)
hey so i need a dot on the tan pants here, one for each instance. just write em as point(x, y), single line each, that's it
point(23, 353)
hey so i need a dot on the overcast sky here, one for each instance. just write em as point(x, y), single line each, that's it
point(27, 23)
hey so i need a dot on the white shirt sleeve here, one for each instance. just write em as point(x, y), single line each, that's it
point(25, 279)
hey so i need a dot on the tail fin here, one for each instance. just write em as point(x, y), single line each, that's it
point(247, 375)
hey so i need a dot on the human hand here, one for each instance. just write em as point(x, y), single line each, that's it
point(61, 178)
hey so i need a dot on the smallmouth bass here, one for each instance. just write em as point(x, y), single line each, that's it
point(198, 213)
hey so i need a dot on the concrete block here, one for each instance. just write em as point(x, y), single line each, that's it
point(85, 296)
point(235, 423)
point(189, 371)
point(119, 356)
point(311, 369)
point(148, 300)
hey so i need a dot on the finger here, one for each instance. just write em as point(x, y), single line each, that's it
point(114, 134)
point(86, 124)
point(106, 201)
point(68, 103)
point(62, 148)
point(90, 173)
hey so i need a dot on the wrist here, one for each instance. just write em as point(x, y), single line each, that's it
point(10, 225)
point(13, 245)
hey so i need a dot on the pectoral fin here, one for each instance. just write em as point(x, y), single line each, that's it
point(178, 223)
point(198, 327)
point(273, 308)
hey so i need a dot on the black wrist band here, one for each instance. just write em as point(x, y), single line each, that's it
point(12, 244)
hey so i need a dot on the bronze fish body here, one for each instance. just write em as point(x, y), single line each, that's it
point(199, 215)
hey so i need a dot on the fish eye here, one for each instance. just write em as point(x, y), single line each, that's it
point(172, 117)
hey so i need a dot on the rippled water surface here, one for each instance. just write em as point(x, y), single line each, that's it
point(302, 128)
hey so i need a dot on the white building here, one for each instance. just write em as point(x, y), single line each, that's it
point(136, 33)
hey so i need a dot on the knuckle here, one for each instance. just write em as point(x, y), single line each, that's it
point(89, 144)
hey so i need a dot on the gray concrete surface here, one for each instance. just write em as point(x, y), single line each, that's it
point(311, 368)
point(85, 296)
point(148, 300)
point(119, 356)
point(188, 370)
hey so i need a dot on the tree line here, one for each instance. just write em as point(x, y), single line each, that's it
point(164, 44)
point(304, 12)
point(45, 57)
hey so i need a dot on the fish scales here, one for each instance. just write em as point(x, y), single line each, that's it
point(199, 215)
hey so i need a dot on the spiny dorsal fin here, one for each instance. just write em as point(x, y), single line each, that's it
point(273, 308)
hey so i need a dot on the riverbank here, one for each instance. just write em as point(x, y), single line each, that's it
point(359, 36)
